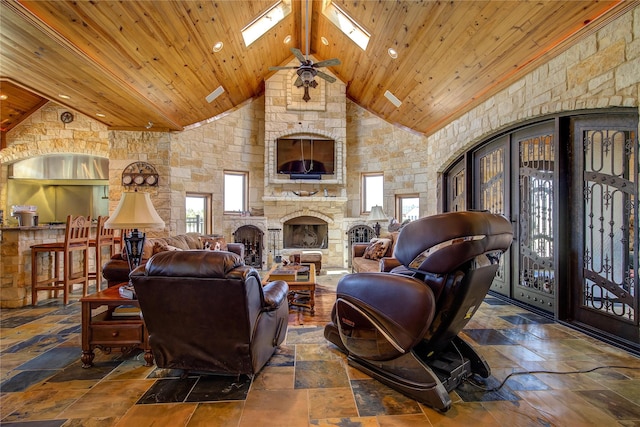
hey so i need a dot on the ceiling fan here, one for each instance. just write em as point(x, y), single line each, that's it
point(308, 70)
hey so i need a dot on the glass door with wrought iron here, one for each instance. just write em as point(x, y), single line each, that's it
point(491, 168)
point(605, 224)
point(533, 196)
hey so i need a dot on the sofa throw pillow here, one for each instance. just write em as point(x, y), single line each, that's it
point(376, 249)
point(214, 243)
point(160, 246)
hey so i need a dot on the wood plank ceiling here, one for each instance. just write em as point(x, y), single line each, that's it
point(138, 61)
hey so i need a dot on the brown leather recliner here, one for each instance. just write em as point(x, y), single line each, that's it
point(207, 311)
point(402, 327)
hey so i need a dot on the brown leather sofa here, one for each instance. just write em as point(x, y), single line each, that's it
point(360, 264)
point(207, 311)
point(116, 270)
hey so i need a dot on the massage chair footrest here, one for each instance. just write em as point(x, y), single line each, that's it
point(408, 375)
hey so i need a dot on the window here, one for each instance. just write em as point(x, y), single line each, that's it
point(372, 191)
point(347, 25)
point(235, 191)
point(198, 213)
point(266, 21)
point(407, 208)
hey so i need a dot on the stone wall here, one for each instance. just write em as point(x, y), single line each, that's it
point(201, 154)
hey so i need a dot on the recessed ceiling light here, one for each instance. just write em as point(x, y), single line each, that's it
point(324, 41)
point(218, 46)
point(63, 96)
point(3, 97)
point(392, 53)
point(287, 39)
point(101, 115)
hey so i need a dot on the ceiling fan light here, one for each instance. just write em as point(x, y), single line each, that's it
point(306, 76)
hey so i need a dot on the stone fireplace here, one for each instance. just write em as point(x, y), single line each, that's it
point(310, 212)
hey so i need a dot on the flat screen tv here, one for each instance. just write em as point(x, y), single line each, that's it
point(305, 157)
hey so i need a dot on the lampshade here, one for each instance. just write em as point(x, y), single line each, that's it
point(135, 210)
point(377, 214)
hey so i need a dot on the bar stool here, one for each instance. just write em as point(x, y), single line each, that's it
point(104, 238)
point(76, 239)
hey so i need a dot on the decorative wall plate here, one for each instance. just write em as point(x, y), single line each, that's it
point(66, 117)
point(140, 174)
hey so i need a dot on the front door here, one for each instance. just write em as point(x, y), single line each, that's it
point(605, 173)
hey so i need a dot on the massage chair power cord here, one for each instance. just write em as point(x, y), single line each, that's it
point(579, 371)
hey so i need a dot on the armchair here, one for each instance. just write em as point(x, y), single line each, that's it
point(402, 327)
point(207, 311)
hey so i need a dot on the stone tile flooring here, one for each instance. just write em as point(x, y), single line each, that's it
point(308, 382)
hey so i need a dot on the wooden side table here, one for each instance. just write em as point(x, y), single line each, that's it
point(302, 291)
point(106, 332)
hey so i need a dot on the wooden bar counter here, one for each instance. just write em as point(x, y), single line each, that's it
point(15, 260)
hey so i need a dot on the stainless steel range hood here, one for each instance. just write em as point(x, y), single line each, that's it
point(60, 185)
point(62, 169)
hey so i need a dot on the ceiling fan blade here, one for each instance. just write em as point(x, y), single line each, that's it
point(328, 63)
point(281, 68)
point(298, 54)
point(327, 77)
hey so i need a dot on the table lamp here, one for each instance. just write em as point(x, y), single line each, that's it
point(135, 211)
point(377, 215)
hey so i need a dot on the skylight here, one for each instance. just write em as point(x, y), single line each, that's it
point(266, 21)
point(347, 25)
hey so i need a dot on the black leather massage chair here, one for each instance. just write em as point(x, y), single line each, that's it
point(402, 327)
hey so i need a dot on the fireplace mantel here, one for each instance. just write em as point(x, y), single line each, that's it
point(294, 198)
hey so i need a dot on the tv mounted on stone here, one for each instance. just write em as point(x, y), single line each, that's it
point(305, 158)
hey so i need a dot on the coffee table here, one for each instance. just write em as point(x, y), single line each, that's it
point(106, 332)
point(301, 290)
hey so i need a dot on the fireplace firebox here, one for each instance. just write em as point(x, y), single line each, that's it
point(305, 232)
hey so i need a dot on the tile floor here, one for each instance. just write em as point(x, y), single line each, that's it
point(308, 382)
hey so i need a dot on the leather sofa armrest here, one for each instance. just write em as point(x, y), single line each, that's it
point(357, 249)
point(236, 248)
point(275, 294)
point(388, 263)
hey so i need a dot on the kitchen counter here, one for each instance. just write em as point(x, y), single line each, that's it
point(34, 227)
point(15, 259)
